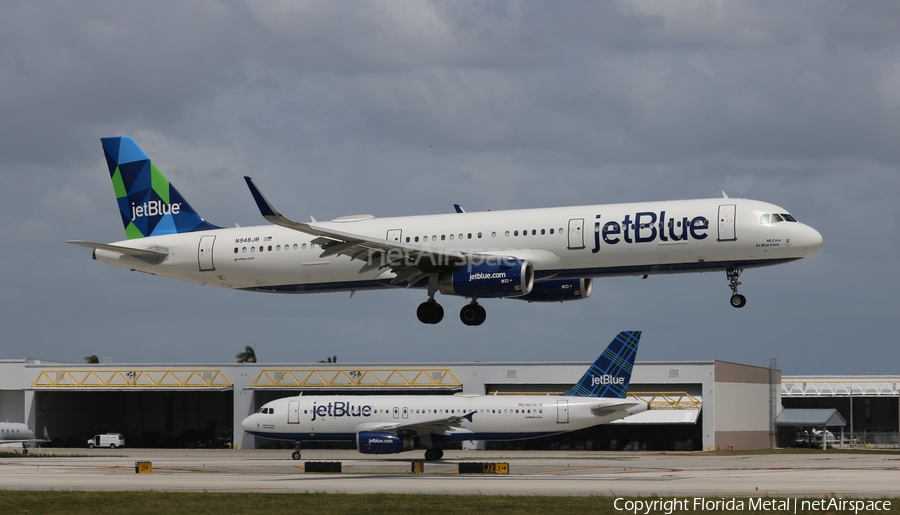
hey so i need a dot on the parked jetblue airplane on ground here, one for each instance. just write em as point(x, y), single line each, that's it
point(389, 424)
point(536, 255)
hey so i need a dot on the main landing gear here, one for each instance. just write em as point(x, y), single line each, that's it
point(430, 312)
point(472, 313)
point(434, 454)
point(733, 274)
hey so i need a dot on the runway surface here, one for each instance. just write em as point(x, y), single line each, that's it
point(530, 473)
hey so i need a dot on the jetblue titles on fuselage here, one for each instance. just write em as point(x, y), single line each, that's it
point(340, 409)
point(643, 229)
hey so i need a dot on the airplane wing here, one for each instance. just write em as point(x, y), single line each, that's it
point(410, 262)
point(149, 255)
point(434, 426)
point(603, 410)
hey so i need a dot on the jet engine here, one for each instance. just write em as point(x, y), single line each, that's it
point(493, 278)
point(560, 290)
point(380, 442)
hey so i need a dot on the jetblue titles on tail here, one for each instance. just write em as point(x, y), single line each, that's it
point(610, 375)
point(149, 205)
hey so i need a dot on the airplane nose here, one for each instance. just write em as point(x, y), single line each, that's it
point(247, 424)
point(812, 240)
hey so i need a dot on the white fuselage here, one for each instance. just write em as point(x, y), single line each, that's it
point(15, 433)
point(488, 417)
point(563, 243)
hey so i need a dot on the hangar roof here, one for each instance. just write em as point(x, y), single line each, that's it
point(810, 417)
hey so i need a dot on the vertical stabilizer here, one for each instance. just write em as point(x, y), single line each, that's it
point(610, 375)
point(148, 203)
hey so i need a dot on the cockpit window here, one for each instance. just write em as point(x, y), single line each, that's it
point(266, 411)
point(774, 218)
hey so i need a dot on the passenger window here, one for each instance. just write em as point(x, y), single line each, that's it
point(433, 237)
point(470, 236)
point(443, 237)
point(534, 232)
point(278, 247)
point(417, 239)
point(252, 249)
point(551, 231)
point(516, 233)
point(451, 236)
point(493, 234)
point(270, 248)
point(407, 239)
point(479, 236)
point(235, 250)
point(507, 234)
point(542, 232)
point(525, 232)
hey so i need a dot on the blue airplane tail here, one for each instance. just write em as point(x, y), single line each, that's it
point(610, 375)
point(148, 203)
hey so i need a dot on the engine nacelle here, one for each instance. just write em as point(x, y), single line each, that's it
point(560, 290)
point(379, 442)
point(495, 277)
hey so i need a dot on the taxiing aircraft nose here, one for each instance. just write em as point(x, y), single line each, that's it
point(248, 423)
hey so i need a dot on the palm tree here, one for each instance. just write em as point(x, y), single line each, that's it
point(247, 356)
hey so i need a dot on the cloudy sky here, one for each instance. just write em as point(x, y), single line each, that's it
point(404, 108)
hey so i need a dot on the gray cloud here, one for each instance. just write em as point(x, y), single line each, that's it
point(401, 108)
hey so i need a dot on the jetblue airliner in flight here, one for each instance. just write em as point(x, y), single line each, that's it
point(535, 255)
point(389, 424)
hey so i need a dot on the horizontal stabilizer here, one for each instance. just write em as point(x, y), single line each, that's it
point(148, 255)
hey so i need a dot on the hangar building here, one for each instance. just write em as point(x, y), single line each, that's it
point(699, 405)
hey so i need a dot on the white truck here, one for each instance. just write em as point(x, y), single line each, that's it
point(111, 440)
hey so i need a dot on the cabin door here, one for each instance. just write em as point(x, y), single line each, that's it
point(562, 412)
point(576, 233)
point(205, 253)
point(293, 412)
point(726, 222)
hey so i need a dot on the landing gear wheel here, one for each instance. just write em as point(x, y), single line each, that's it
point(738, 301)
point(430, 312)
point(296, 455)
point(733, 274)
point(433, 454)
point(472, 314)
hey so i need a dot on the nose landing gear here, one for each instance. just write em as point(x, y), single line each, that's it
point(733, 274)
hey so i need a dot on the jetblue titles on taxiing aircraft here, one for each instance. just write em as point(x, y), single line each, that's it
point(536, 255)
point(389, 424)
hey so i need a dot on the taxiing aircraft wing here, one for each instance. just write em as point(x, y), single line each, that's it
point(603, 410)
point(435, 426)
point(150, 255)
point(408, 261)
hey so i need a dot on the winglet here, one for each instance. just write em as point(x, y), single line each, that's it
point(724, 195)
point(265, 207)
point(458, 208)
point(610, 375)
